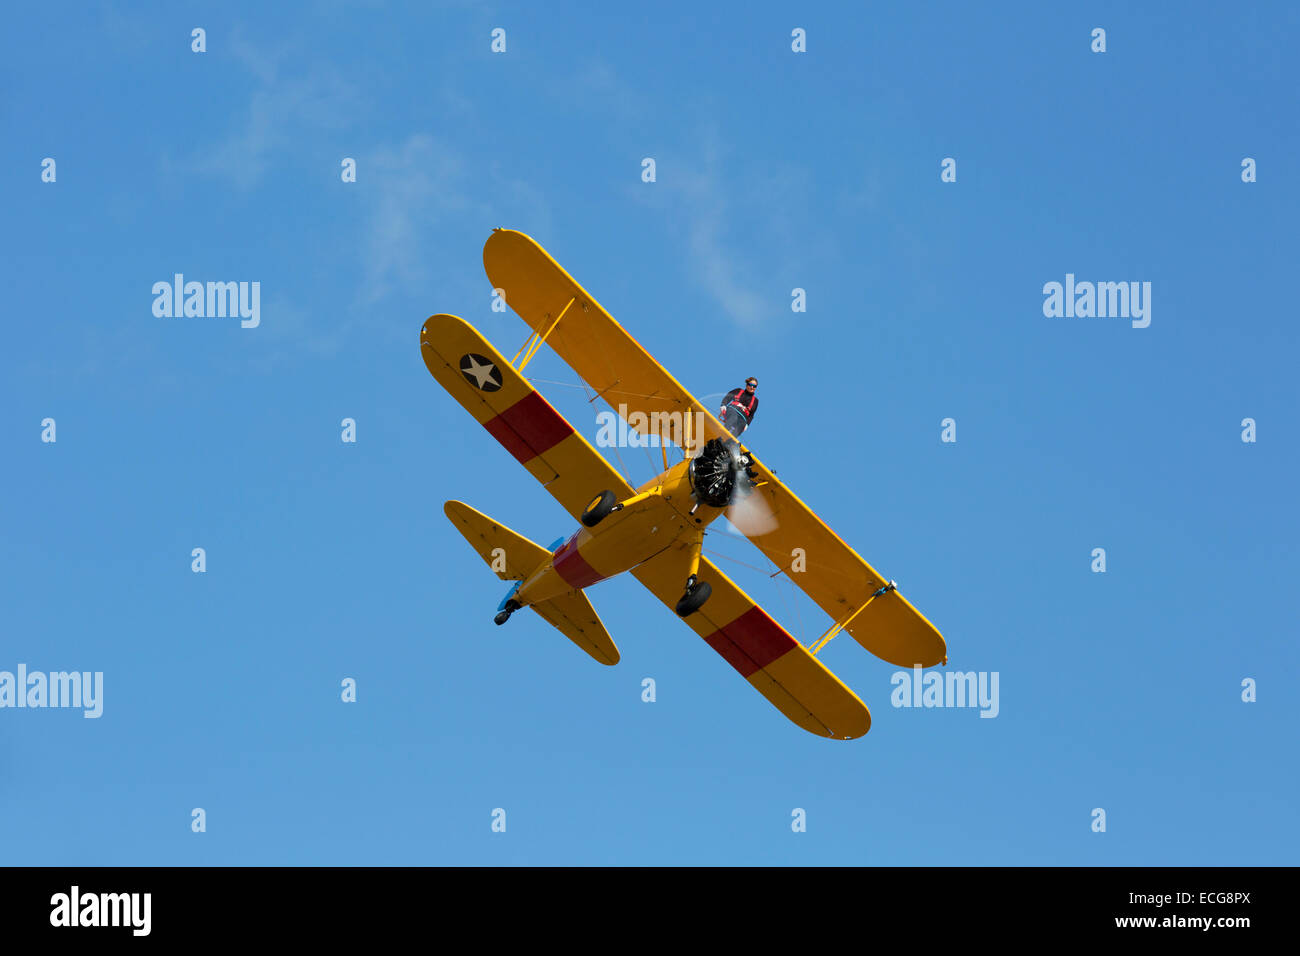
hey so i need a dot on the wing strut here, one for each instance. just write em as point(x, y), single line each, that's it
point(535, 341)
point(836, 628)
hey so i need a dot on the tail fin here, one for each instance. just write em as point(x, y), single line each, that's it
point(513, 557)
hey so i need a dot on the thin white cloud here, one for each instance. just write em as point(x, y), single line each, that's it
point(281, 114)
point(414, 186)
point(735, 264)
point(719, 270)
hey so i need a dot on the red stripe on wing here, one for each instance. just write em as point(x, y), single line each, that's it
point(528, 428)
point(751, 641)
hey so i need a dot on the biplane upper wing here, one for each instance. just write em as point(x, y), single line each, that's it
point(601, 351)
point(595, 346)
point(777, 665)
point(516, 414)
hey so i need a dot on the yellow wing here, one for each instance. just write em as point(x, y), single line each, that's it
point(516, 414)
point(777, 665)
point(624, 374)
point(613, 363)
point(837, 578)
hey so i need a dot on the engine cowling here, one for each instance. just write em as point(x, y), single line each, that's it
point(714, 474)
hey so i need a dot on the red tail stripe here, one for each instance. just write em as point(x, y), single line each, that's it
point(571, 566)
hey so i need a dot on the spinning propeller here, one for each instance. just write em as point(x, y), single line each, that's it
point(723, 476)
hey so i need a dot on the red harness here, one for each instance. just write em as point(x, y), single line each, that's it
point(747, 409)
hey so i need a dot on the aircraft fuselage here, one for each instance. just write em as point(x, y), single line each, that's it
point(657, 517)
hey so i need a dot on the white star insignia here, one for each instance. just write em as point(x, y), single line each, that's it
point(482, 374)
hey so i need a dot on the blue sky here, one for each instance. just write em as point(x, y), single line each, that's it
point(775, 170)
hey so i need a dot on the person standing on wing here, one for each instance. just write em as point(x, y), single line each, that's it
point(739, 407)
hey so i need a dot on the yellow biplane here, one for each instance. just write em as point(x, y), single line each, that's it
point(656, 532)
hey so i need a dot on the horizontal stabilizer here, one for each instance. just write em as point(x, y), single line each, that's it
point(512, 556)
point(573, 616)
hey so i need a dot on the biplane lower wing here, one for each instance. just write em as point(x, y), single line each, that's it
point(777, 665)
point(840, 581)
point(475, 374)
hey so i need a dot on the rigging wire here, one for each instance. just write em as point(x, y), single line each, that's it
point(794, 597)
point(627, 473)
point(798, 618)
point(727, 557)
point(610, 391)
point(780, 590)
point(551, 381)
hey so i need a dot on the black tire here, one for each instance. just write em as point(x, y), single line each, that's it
point(694, 599)
point(599, 509)
point(504, 614)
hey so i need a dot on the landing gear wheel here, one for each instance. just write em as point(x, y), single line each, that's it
point(696, 594)
point(504, 614)
point(600, 508)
